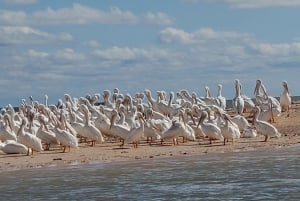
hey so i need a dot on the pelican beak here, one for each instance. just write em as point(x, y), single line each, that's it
point(192, 118)
point(111, 121)
point(143, 119)
point(199, 121)
point(256, 88)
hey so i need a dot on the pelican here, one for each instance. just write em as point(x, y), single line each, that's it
point(13, 147)
point(249, 133)
point(263, 127)
point(29, 140)
point(238, 101)
point(285, 98)
point(262, 97)
point(117, 130)
point(210, 130)
point(229, 130)
point(135, 134)
point(65, 138)
point(173, 132)
point(6, 131)
point(260, 92)
point(47, 136)
point(241, 122)
point(221, 99)
point(89, 130)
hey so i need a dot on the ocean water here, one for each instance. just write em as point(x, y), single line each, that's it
point(255, 175)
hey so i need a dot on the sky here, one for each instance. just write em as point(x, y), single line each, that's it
point(85, 47)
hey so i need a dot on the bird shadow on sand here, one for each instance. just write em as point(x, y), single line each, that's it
point(120, 148)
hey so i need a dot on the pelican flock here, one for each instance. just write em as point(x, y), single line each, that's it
point(143, 118)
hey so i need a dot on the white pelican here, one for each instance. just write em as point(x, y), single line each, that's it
point(263, 127)
point(151, 131)
point(189, 131)
point(65, 138)
point(212, 131)
point(241, 122)
point(285, 98)
point(238, 101)
point(221, 99)
point(249, 133)
point(229, 130)
point(262, 97)
point(13, 147)
point(117, 130)
point(89, 130)
point(260, 92)
point(136, 134)
point(47, 136)
point(151, 100)
point(173, 132)
point(29, 140)
point(6, 131)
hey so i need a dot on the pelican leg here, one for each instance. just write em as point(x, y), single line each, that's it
point(266, 138)
point(28, 151)
point(224, 141)
point(64, 150)
point(122, 143)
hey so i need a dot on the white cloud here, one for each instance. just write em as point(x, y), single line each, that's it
point(220, 57)
point(131, 54)
point(16, 35)
point(68, 55)
point(253, 3)
point(157, 18)
point(80, 14)
point(281, 49)
point(173, 35)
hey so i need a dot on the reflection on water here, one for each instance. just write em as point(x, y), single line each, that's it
point(256, 175)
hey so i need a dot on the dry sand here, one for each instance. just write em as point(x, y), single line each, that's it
point(288, 126)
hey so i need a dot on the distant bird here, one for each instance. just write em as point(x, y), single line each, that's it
point(285, 98)
point(263, 127)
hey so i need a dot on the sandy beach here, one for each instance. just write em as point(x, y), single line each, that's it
point(288, 126)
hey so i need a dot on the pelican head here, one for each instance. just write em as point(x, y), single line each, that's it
point(285, 85)
point(257, 85)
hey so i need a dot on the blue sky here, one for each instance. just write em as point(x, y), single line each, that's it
point(84, 47)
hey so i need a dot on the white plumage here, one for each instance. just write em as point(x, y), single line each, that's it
point(29, 140)
point(263, 127)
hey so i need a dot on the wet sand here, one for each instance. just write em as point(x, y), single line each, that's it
point(288, 126)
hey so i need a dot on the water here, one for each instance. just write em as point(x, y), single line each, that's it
point(255, 175)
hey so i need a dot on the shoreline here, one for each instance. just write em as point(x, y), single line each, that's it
point(56, 159)
point(288, 126)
